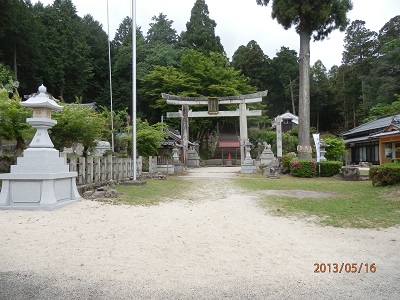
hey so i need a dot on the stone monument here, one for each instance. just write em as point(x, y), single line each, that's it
point(270, 163)
point(193, 159)
point(41, 178)
point(267, 157)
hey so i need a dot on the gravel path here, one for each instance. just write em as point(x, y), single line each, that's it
point(216, 243)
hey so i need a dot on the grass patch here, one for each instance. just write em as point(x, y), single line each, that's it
point(358, 204)
point(154, 192)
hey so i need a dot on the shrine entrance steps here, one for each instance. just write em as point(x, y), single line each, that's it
point(227, 152)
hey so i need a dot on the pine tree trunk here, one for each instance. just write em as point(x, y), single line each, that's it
point(318, 113)
point(15, 62)
point(304, 96)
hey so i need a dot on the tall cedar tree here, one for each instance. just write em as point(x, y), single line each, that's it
point(286, 67)
point(385, 73)
point(359, 52)
point(253, 63)
point(161, 31)
point(200, 31)
point(316, 18)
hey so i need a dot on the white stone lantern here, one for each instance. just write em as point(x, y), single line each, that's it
point(42, 104)
point(41, 178)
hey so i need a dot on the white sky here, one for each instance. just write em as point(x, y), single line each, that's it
point(238, 22)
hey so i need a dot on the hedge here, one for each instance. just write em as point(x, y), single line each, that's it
point(385, 174)
point(303, 168)
point(329, 168)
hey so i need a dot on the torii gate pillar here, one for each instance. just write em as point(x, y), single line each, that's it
point(243, 129)
point(185, 131)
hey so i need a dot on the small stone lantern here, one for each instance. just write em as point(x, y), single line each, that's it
point(41, 179)
point(248, 166)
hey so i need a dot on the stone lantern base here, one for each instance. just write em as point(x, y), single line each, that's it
point(40, 180)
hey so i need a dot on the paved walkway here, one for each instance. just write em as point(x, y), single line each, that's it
point(213, 172)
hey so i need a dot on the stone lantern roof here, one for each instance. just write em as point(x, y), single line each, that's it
point(42, 99)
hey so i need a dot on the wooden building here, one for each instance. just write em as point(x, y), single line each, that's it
point(376, 142)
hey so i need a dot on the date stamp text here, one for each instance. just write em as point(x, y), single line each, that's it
point(344, 268)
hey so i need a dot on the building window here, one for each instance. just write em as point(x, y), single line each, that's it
point(365, 153)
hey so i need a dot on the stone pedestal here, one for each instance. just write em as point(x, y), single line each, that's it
point(40, 180)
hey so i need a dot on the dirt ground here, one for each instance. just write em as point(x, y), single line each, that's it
point(215, 243)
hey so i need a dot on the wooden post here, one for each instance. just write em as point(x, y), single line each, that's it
point(109, 168)
point(89, 178)
point(82, 170)
point(97, 169)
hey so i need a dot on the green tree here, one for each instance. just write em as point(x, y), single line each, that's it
point(148, 139)
point(13, 126)
point(360, 48)
point(161, 31)
point(161, 47)
point(123, 35)
point(388, 33)
point(122, 64)
point(322, 111)
point(98, 79)
point(6, 79)
point(335, 148)
point(311, 18)
point(78, 124)
point(286, 70)
point(385, 71)
point(253, 63)
point(67, 68)
point(200, 31)
point(20, 37)
point(382, 109)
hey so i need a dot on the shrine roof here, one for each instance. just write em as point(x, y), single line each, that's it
point(229, 144)
point(374, 126)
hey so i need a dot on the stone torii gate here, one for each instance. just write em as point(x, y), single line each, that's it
point(213, 111)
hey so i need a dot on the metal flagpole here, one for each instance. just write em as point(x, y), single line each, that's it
point(111, 95)
point(134, 88)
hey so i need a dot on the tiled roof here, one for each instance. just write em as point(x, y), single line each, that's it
point(372, 126)
point(288, 116)
point(173, 138)
point(386, 133)
point(359, 139)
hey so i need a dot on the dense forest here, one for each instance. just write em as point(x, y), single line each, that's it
point(69, 55)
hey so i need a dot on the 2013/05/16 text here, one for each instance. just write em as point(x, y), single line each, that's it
point(344, 268)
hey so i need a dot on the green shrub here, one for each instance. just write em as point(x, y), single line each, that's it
point(385, 174)
point(329, 168)
point(335, 149)
point(287, 160)
point(303, 168)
